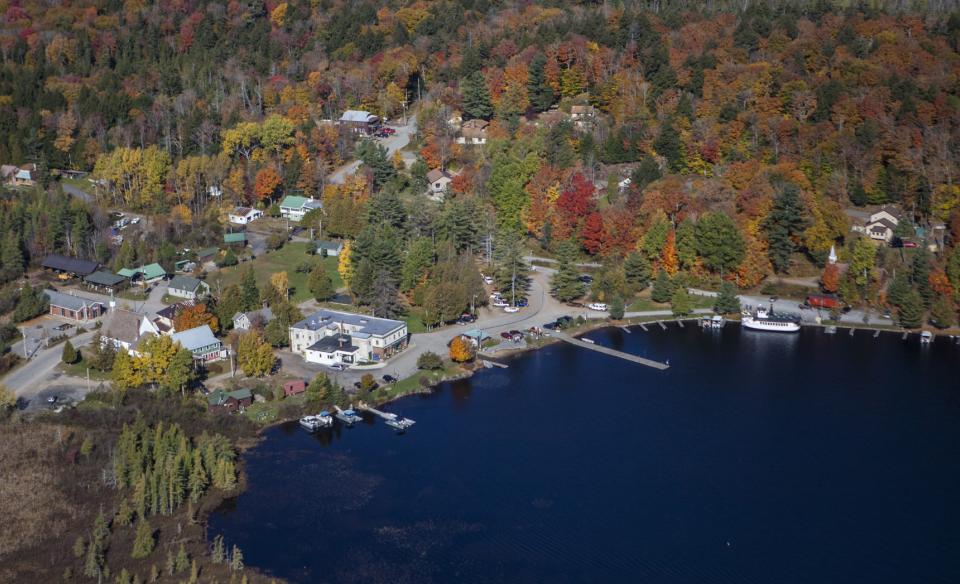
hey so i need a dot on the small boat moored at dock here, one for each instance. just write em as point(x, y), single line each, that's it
point(399, 424)
point(926, 337)
point(348, 417)
point(314, 423)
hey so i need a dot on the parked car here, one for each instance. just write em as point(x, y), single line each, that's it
point(511, 309)
point(389, 379)
point(466, 317)
point(63, 327)
point(550, 326)
point(500, 303)
point(390, 131)
point(52, 399)
point(586, 279)
point(522, 303)
point(886, 314)
point(488, 280)
point(338, 367)
point(516, 333)
point(506, 335)
point(134, 221)
point(910, 244)
point(564, 321)
point(597, 306)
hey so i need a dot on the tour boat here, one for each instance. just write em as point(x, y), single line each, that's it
point(765, 320)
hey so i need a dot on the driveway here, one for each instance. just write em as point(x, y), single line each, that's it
point(75, 192)
point(392, 144)
point(36, 376)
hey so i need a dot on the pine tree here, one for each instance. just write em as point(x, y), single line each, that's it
point(476, 97)
point(943, 314)
point(727, 301)
point(236, 559)
point(617, 308)
point(565, 282)
point(680, 303)
point(784, 225)
point(143, 542)
point(182, 561)
point(538, 88)
point(218, 555)
point(69, 355)
point(668, 145)
point(647, 172)
point(719, 242)
point(385, 302)
point(124, 516)
point(911, 310)
point(637, 270)
point(79, 547)
point(920, 276)
point(249, 291)
point(662, 288)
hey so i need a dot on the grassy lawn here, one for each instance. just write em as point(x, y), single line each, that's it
point(643, 303)
point(79, 369)
point(412, 384)
point(79, 183)
point(414, 320)
point(268, 412)
point(286, 260)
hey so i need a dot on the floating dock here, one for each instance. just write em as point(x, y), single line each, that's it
point(393, 420)
point(612, 352)
point(643, 326)
point(663, 326)
point(626, 329)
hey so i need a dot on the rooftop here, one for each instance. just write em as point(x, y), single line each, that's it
point(364, 324)
point(358, 116)
point(122, 325)
point(339, 342)
point(103, 278)
point(196, 338)
point(334, 245)
point(73, 265)
point(184, 283)
point(437, 174)
point(68, 301)
point(234, 237)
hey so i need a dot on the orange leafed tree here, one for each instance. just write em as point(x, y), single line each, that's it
point(266, 184)
point(940, 283)
point(460, 350)
point(194, 316)
point(669, 260)
point(830, 279)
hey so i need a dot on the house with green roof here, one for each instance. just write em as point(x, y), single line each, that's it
point(187, 287)
point(294, 207)
point(229, 401)
point(144, 274)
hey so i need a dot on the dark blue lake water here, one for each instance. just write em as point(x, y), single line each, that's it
point(758, 457)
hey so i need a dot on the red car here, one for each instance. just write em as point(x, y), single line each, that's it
point(389, 131)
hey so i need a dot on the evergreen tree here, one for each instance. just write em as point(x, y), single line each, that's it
point(417, 263)
point(647, 172)
point(858, 196)
point(668, 145)
point(320, 283)
point(898, 288)
point(538, 88)
point(784, 225)
point(617, 308)
point(319, 390)
point(686, 244)
point(511, 269)
point(219, 553)
point(182, 561)
point(680, 303)
point(236, 559)
point(719, 242)
point(69, 355)
point(385, 302)
point(565, 282)
point(361, 286)
point(943, 314)
point(143, 542)
point(911, 310)
point(920, 275)
point(229, 259)
point(662, 288)
point(249, 291)
point(31, 303)
point(727, 301)
point(476, 97)
point(637, 270)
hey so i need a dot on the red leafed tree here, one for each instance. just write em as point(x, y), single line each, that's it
point(266, 184)
point(669, 260)
point(575, 202)
point(593, 235)
point(940, 283)
point(830, 280)
point(620, 225)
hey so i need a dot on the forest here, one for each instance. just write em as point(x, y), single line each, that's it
point(745, 130)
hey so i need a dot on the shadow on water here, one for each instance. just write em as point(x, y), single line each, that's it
point(754, 458)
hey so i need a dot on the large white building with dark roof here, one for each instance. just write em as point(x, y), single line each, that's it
point(329, 336)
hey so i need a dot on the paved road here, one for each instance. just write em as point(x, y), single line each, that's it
point(35, 377)
point(392, 144)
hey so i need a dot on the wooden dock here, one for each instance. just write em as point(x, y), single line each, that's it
point(644, 327)
point(663, 326)
point(612, 352)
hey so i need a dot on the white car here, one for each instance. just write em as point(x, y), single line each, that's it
point(487, 280)
point(499, 303)
point(511, 309)
point(337, 367)
point(597, 306)
point(134, 221)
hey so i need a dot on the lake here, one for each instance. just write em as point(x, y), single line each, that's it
point(757, 457)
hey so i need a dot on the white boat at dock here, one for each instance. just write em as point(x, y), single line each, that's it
point(348, 417)
point(314, 423)
point(766, 320)
point(926, 337)
point(399, 424)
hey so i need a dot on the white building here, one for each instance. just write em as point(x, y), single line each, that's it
point(294, 208)
point(878, 224)
point(328, 337)
point(187, 287)
point(439, 181)
point(244, 215)
point(124, 329)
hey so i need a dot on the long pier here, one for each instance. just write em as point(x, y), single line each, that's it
point(612, 352)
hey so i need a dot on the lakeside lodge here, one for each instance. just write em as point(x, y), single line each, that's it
point(331, 337)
